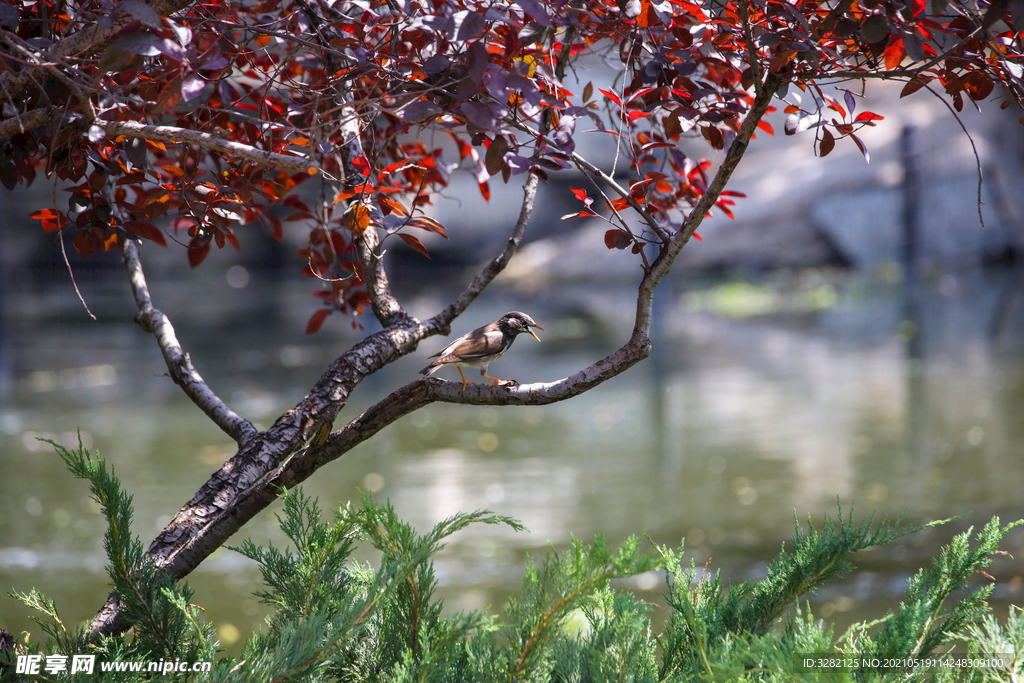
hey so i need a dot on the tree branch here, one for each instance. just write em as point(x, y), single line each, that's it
point(29, 120)
point(385, 306)
point(755, 69)
point(193, 137)
point(178, 362)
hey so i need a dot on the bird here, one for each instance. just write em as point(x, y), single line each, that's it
point(483, 346)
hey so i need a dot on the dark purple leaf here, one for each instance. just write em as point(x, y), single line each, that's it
point(496, 155)
point(215, 60)
point(913, 47)
point(436, 65)
point(497, 85)
point(141, 11)
point(563, 134)
point(9, 16)
point(438, 22)
point(863, 149)
point(420, 111)
point(518, 164)
point(140, 42)
point(535, 10)
point(479, 115)
point(477, 61)
point(170, 49)
point(96, 134)
point(851, 102)
point(531, 33)
point(472, 26)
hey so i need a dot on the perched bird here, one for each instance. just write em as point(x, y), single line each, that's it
point(483, 346)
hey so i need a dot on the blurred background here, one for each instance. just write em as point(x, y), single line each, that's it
point(855, 336)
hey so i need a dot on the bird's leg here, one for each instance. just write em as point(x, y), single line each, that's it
point(464, 382)
point(494, 380)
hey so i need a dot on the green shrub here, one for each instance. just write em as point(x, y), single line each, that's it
point(335, 620)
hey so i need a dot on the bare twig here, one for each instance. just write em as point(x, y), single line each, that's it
point(974, 148)
point(64, 253)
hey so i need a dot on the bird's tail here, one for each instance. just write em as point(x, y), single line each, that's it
point(431, 369)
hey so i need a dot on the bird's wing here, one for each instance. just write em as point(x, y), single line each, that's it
point(480, 343)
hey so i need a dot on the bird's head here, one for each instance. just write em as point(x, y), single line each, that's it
point(517, 322)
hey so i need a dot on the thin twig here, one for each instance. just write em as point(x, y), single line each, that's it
point(74, 284)
point(974, 148)
point(582, 163)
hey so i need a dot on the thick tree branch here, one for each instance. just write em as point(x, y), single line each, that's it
point(178, 362)
point(134, 129)
point(385, 306)
point(36, 118)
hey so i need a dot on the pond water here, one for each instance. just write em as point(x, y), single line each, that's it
point(763, 398)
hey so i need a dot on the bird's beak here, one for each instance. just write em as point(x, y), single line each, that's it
point(534, 333)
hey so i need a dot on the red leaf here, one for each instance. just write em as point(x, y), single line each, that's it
point(611, 96)
point(766, 127)
point(198, 254)
point(828, 142)
point(635, 115)
point(868, 117)
point(617, 239)
point(580, 193)
point(697, 236)
point(639, 93)
point(362, 165)
point(485, 191)
point(316, 320)
point(578, 214)
point(278, 229)
point(894, 53)
point(414, 243)
point(52, 220)
point(833, 105)
point(397, 166)
point(87, 243)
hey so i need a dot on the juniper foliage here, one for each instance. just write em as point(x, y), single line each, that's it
point(574, 621)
